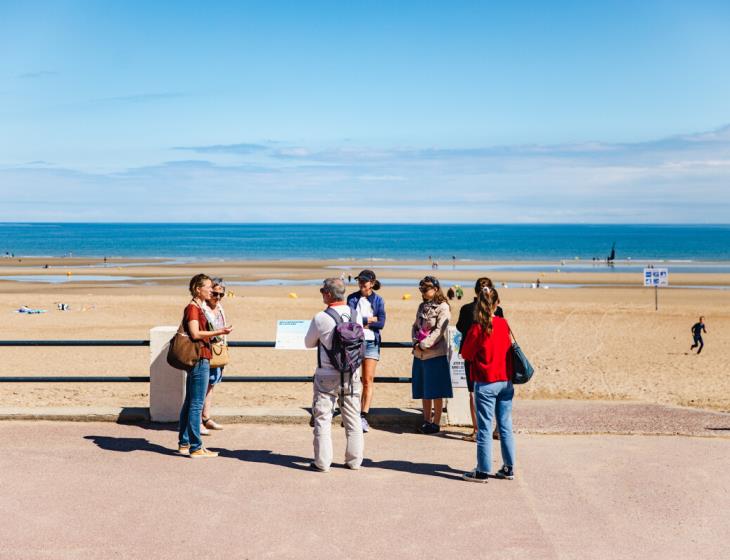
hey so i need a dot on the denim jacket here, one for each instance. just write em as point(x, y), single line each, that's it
point(378, 305)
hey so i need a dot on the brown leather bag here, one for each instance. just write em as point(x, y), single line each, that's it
point(183, 352)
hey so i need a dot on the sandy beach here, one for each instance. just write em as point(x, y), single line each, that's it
point(603, 342)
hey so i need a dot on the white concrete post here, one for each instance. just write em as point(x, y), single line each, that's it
point(458, 407)
point(167, 384)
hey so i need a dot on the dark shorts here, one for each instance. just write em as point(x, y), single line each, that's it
point(430, 379)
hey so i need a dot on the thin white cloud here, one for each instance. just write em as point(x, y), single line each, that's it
point(676, 179)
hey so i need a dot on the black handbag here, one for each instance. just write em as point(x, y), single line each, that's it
point(522, 370)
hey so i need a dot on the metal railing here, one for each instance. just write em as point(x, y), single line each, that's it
point(146, 378)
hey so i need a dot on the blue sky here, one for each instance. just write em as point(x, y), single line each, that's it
point(369, 111)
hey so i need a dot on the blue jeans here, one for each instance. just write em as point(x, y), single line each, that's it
point(491, 398)
point(192, 409)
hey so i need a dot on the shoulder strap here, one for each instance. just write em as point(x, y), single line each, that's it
point(336, 316)
point(338, 320)
point(181, 329)
point(510, 332)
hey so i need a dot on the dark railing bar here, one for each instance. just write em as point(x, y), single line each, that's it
point(74, 342)
point(146, 379)
point(232, 343)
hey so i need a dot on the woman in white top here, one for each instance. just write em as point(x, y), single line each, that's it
point(217, 319)
point(371, 307)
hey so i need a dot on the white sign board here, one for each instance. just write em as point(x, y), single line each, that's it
point(656, 277)
point(290, 334)
point(456, 362)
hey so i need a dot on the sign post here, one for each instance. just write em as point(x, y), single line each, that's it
point(290, 334)
point(459, 413)
point(657, 277)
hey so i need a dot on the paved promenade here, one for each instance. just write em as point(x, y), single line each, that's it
point(103, 490)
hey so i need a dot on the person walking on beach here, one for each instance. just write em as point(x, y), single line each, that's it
point(371, 308)
point(330, 384)
point(216, 320)
point(466, 320)
point(488, 349)
point(697, 329)
point(194, 324)
point(430, 377)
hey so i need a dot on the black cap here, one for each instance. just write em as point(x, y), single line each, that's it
point(366, 276)
point(430, 280)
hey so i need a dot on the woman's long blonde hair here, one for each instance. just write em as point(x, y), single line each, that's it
point(487, 301)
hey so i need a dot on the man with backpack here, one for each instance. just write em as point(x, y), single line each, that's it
point(338, 335)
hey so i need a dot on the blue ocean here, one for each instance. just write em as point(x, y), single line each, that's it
point(442, 242)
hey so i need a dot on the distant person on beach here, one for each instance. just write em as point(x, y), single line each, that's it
point(697, 329)
point(450, 293)
point(194, 323)
point(430, 377)
point(466, 320)
point(216, 321)
point(330, 385)
point(371, 307)
point(488, 349)
point(459, 291)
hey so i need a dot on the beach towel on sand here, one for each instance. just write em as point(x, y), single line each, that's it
point(30, 311)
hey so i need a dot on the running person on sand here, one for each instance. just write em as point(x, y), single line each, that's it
point(371, 308)
point(697, 329)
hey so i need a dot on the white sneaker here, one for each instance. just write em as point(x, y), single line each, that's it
point(204, 431)
point(365, 425)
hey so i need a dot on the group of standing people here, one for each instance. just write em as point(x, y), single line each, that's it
point(486, 346)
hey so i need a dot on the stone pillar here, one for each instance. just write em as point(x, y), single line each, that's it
point(167, 384)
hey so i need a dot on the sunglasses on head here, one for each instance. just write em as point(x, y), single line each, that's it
point(426, 287)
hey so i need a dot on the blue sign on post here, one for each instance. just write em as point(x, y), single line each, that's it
point(657, 277)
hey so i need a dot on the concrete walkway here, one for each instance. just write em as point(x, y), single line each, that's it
point(104, 490)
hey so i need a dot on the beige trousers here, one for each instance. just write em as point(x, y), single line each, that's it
point(326, 395)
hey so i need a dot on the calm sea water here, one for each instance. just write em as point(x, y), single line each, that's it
point(384, 241)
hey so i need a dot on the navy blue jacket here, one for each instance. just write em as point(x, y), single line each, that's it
point(378, 305)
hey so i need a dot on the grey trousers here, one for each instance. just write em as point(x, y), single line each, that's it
point(326, 394)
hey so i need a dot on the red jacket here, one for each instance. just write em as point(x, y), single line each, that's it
point(489, 356)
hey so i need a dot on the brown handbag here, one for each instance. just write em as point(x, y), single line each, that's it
point(220, 354)
point(183, 352)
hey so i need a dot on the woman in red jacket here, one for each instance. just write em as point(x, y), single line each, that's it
point(487, 348)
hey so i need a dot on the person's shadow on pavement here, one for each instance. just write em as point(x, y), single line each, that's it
point(265, 456)
point(431, 469)
point(126, 445)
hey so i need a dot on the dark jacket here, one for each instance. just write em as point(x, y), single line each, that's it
point(378, 305)
point(466, 319)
